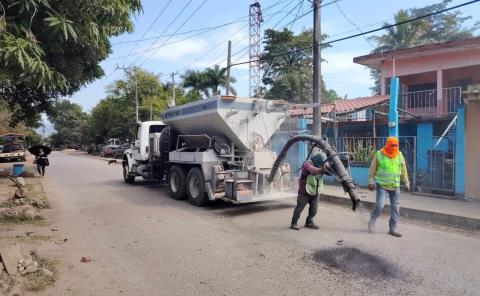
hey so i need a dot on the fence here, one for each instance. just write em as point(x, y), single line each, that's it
point(426, 102)
point(431, 167)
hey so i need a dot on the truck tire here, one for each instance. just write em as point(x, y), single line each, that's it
point(196, 187)
point(177, 182)
point(129, 179)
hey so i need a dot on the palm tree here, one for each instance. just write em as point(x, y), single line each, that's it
point(216, 77)
point(403, 36)
point(195, 80)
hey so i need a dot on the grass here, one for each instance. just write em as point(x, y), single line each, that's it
point(38, 220)
point(33, 239)
point(37, 281)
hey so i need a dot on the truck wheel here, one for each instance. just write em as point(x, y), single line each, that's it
point(129, 179)
point(176, 182)
point(196, 187)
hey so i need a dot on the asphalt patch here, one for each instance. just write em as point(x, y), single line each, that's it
point(358, 262)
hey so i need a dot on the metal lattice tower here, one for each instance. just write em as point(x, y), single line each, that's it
point(254, 69)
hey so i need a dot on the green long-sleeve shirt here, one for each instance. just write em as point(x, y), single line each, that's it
point(403, 172)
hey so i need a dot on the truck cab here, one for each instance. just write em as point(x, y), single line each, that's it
point(136, 159)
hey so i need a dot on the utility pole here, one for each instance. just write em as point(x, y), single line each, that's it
point(229, 63)
point(317, 70)
point(172, 103)
point(128, 71)
point(151, 112)
point(43, 131)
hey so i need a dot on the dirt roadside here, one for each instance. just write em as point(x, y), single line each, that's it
point(25, 225)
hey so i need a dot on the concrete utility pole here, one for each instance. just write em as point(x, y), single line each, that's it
point(151, 112)
point(172, 103)
point(229, 63)
point(128, 72)
point(317, 70)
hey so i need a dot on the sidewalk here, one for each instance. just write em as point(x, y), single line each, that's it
point(450, 212)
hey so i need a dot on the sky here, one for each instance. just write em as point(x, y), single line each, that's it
point(164, 55)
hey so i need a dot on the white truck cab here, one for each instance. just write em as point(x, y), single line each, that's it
point(137, 156)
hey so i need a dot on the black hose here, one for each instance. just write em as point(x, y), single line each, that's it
point(337, 165)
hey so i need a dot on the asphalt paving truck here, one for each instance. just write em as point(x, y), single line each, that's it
point(217, 149)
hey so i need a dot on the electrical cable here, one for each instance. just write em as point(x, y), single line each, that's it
point(167, 27)
point(369, 32)
point(351, 22)
point(178, 29)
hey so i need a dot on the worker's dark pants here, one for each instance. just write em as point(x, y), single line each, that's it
point(41, 169)
point(302, 201)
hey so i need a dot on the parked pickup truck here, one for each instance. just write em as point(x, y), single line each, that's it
point(14, 152)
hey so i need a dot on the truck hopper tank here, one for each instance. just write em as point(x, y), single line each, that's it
point(248, 123)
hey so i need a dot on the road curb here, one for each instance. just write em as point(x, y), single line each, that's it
point(411, 213)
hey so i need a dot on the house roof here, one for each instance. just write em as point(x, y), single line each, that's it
point(375, 59)
point(340, 106)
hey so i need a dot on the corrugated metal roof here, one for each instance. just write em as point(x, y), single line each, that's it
point(341, 106)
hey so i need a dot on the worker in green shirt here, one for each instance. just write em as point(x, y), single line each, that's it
point(388, 168)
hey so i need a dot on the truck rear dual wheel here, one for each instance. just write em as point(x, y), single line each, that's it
point(177, 180)
point(196, 187)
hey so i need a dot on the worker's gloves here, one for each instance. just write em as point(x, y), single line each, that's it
point(371, 187)
point(327, 166)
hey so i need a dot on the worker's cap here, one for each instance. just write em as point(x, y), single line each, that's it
point(319, 159)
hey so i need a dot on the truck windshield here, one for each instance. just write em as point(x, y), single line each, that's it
point(156, 129)
point(12, 148)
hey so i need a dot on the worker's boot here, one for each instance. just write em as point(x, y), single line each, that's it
point(395, 233)
point(311, 225)
point(294, 226)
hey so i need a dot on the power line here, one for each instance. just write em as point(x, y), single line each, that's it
point(178, 29)
point(288, 13)
point(151, 25)
point(167, 27)
point(239, 30)
point(206, 29)
point(351, 22)
point(370, 31)
point(295, 18)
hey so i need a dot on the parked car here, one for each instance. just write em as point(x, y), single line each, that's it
point(118, 152)
point(107, 151)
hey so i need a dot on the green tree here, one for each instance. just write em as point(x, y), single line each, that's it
point(194, 82)
point(114, 116)
point(289, 76)
point(217, 77)
point(70, 123)
point(51, 48)
point(437, 28)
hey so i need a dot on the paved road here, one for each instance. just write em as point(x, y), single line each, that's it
point(144, 243)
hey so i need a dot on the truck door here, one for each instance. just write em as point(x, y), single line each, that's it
point(136, 143)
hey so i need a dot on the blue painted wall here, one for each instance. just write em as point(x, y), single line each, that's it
point(359, 176)
point(424, 143)
point(460, 152)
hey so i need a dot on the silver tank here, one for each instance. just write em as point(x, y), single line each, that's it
point(248, 123)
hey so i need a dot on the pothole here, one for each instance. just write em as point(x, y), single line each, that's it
point(358, 262)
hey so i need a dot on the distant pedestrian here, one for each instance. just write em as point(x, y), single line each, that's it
point(42, 161)
point(388, 168)
point(310, 185)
